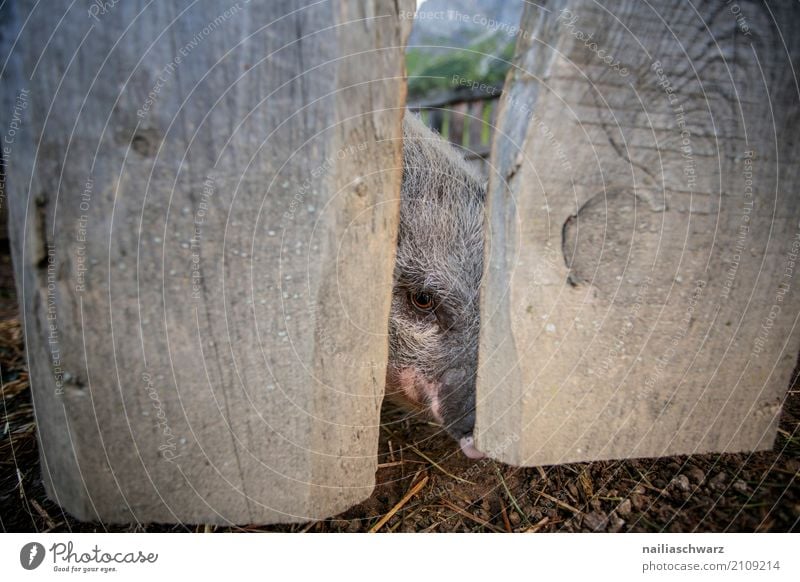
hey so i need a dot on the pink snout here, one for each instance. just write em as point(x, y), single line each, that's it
point(468, 448)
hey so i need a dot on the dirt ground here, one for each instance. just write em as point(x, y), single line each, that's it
point(425, 484)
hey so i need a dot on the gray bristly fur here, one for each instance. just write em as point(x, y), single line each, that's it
point(433, 356)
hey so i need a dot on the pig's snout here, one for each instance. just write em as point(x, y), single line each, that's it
point(457, 406)
point(468, 447)
point(450, 401)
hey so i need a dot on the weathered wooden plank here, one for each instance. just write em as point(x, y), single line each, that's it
point(475, 125)
point(203, 211)
point(458, 114)
point(639, 297)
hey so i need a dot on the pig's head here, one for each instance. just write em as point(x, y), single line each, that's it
point(434, 322)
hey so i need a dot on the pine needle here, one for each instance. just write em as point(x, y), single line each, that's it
point(406, 498)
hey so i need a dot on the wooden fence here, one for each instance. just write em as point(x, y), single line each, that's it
point(467, 120)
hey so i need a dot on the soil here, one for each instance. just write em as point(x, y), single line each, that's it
point(426, 485)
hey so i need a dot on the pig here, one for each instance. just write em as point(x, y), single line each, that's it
point(434, 318)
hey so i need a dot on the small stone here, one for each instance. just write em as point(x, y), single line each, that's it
point(624, 508)
point(718, 481)
point(595, 521)
point(741, 487)
point(615, 523)
point(514, 518)
point(696, 475)
point(639, 501)
point(680, 482)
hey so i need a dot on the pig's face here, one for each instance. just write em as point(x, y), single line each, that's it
point(434, 322)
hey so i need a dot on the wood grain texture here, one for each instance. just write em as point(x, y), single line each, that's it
point(640, 295)
point(204, 204)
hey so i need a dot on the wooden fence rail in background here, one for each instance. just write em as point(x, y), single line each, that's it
point(467, 120)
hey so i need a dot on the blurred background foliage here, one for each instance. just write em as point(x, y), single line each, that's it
point(471, 39)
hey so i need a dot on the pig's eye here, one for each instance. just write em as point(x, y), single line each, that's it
point(421, 300)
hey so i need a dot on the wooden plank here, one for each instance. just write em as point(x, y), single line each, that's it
point(457, 123)
point(475, 113)
point(639, 296)
point(204, 204)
